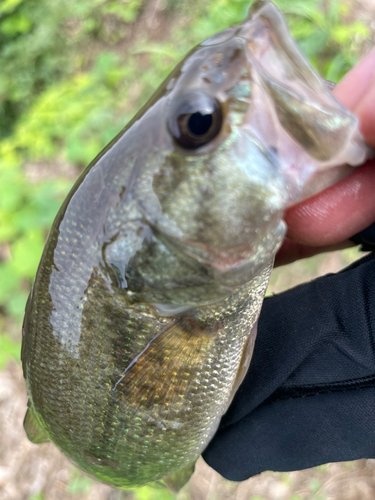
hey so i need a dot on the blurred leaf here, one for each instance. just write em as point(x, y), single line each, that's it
point(314, 43)
point(15, 25)
point(334, 11)
point(127, 12)
point(27, 251)
point(9, 5)
point(10, 181)
point(149, 493)
point(38, 496)
point(164, 50)
point(16, 306)
point(79, 484)
point(308, 9)
point(336, 68)
point(8, 350)
point(315, 485)
point(9, 282)
point(343, 34)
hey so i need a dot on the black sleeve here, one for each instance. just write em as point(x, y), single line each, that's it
point(309, 395)
point(366, 238)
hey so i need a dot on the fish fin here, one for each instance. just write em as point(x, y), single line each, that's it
point(169, 363)
point(176, 481)
point(33, 430)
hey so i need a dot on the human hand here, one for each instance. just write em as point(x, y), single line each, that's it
point(309, 395)
point(327, 220)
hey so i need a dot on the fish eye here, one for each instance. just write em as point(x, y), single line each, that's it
point(195, 119)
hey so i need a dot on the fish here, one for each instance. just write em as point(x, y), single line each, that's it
point(141, 322)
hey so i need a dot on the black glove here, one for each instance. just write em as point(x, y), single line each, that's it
point(309, 395)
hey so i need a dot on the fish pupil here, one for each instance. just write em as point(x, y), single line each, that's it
point(194, 119)
point(199, 124)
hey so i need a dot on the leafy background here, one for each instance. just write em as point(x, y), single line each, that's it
point(72, 73)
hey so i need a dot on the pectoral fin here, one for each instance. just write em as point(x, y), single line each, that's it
point(165, 368)
point(32, 428)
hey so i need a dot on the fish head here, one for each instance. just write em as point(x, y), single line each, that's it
point(248, 129)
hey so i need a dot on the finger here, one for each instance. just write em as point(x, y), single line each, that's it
point(352, 88)
point(365, 110)
point(348, 207)
point(336, 213)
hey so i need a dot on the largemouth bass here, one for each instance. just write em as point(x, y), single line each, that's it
point(142, 318)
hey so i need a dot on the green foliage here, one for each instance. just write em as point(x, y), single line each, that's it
point(32, 54)
point(79, 483)
point(148, 493)
point(127, 12)
point(316, 488)
point(8, 349)
point(43, 41)
point(331, 45)
point(38, 496)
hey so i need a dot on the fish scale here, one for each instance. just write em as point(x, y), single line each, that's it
point(142, 318)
